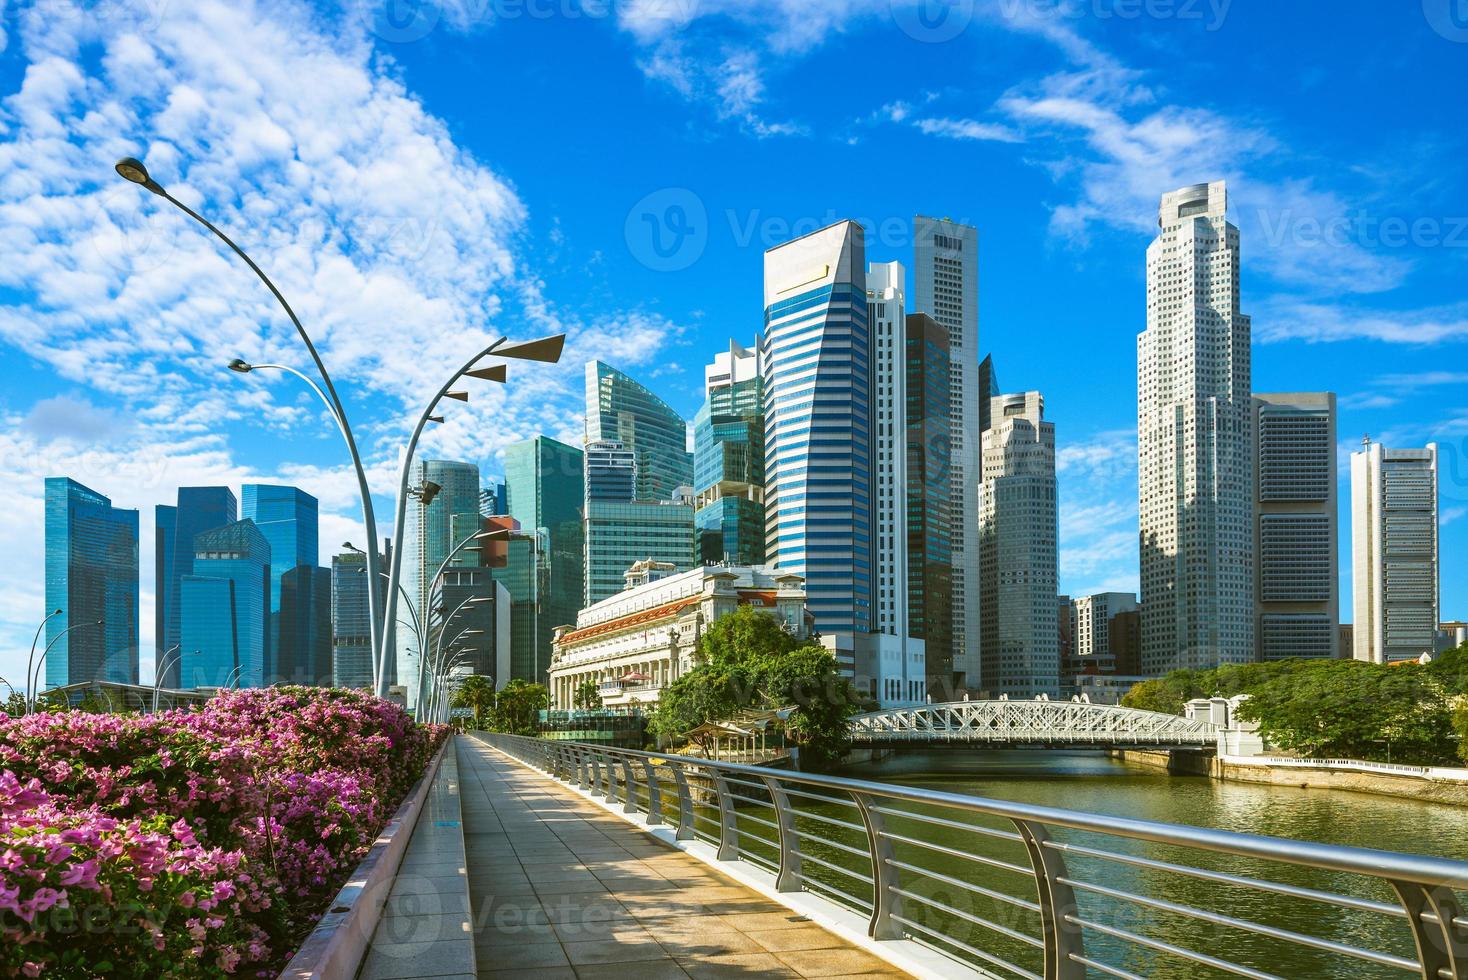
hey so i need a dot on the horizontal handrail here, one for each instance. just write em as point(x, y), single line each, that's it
point(1040, 895)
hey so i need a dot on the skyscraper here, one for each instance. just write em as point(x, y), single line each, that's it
point(818, 381)
point(729, 460)
point(620, 534)
point(300, 596)
point(430, 534)
point(929, 527)
point(546, 486)
point(988, 390)
point(351, 625)
point(1093, 650)
point(887, 316)
point(492, 502)
point(224, 608)
point(198, 509)
point(1297, 597)
point(1394, 557)
point(1017, 549)
point(946, 286)
point(1195, 456)
point(619, 409)
point(92, 577)
point(611, 472)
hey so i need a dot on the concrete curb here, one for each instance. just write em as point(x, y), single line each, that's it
point(336, 947)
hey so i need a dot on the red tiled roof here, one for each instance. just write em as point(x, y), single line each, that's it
point(632, 620)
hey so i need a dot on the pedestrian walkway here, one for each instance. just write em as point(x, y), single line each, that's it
point(562, 890)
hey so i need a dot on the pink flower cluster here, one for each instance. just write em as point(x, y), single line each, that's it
point(198, 842)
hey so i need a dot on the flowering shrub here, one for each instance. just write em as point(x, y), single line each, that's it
point(198, 842)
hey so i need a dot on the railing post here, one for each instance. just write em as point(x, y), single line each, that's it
point(654, 795)
point(611, 779)
point(604, 765)
point(1063, 940)
point(581, 769)
point(1442, 947)
point(885, 900)
point(629, 798)
point(728, 827)
point(788, 879)
point(594, 761)
point(685, 804)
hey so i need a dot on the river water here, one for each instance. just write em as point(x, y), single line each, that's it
point(1095, 783)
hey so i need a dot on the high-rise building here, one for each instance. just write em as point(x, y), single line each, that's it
point(1394, 557)
point(224, 608)
point(1017, 549)
point(619, 409)
point(546, 485)
point(198, 509)
point(92, 577)
point(887, 316)
point(351, 624)
point(520, 581)
point(621, 534)
point(988, 391)
point(611, 472)
point(929, 527)
point(946, 286)
point(729, 460)
point(1092, 649)
point(300, 590)
point(818, 382)
point(430, 535)
point(492, 502)
point(1297, 596)
point(1194, 441)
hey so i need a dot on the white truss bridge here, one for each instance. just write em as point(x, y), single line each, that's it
point(1030, 723)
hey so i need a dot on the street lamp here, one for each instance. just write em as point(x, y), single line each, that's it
point(160, 670)
point(33, 684)
point(466, 545)
point(29, 662)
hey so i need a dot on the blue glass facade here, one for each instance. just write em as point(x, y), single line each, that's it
point(198, 510)
point(92, 577)
point(547, 489)
point(224, 608)
point(351, 624)
point(300, 602)
point(818, 386)
point(729, 462)
point(619, 409)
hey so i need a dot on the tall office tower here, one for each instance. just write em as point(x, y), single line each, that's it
point(887, 316)
point(1297, 599)
point(1195, 457)
point(729, 460)
point(546, 485)
point(351, 625)
point(1394, 560)
point(988, 391)
point(224, 608)
point(198, 509)
point(300, 590)
point(519, 584)
point(611, 472)
point(1017, 549)
point(621, 534)
point(467, 627)
point(818, 382)
point(1092, 650)
point(430, 535)
point(92, 577)
point(492, 502)
point(946, 285)
point(929, 526)
point(619, 409)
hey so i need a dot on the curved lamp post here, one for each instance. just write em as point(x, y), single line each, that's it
point(30, 660)
point(465, 545)
point(441, 691)
point(161, 669)
point(444, 627)
point(429, 695)
point(33, 683)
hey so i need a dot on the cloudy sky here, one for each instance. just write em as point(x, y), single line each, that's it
point(420, 177)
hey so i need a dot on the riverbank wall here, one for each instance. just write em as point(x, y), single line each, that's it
point(1429, 783)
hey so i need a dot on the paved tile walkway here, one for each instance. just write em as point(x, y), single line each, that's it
point(560, 890)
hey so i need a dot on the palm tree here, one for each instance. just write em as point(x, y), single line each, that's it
point(477, 692)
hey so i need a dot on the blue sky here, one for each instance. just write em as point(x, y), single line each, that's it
point(421, 177)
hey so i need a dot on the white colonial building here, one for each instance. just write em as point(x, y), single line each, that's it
point(635, 643)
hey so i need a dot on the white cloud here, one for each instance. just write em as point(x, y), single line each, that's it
point(1319, 322)
point(968, 129)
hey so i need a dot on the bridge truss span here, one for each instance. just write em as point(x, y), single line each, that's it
point(1031, 723)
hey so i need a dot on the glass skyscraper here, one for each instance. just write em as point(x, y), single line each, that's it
point(619, 409)
point(818, 384)
point(619, 534)
point(546, 485)
point(224, 608)
point(351, 625)
point(929, 526)
point(611, 472)
point(198, 509)
point(729, 460)
point(300, 597)
point(92, 577)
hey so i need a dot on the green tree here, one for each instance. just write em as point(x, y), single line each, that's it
point(516, 705)
point(587, 696)
point(475, 692)
point(1450, 669)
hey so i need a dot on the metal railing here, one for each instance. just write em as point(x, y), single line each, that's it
point(1041, 893)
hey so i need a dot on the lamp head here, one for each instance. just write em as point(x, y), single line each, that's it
point(131, 168)
point(243, 367)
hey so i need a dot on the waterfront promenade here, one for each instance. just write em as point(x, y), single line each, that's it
point(560, 889)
